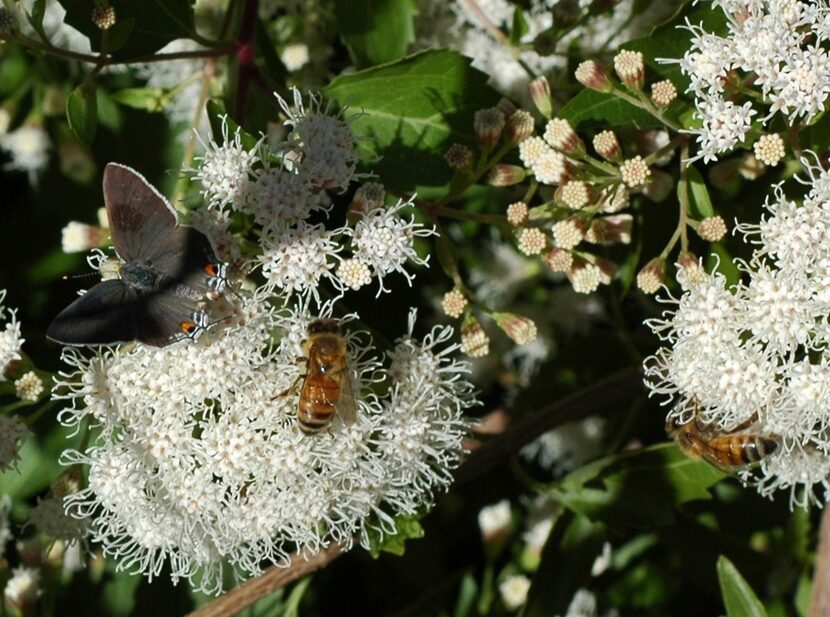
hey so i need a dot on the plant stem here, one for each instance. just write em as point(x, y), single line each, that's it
point(820, 597)
point(275, 577)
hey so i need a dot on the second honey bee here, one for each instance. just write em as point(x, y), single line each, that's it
point(327, 383)
point(729, 451)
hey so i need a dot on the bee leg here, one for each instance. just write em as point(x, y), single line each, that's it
point(290, 389)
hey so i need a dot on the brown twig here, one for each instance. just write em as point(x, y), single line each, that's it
point(820, 597)
point(623, 385)
point(275, 577)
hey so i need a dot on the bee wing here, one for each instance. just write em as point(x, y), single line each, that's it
point(346, 405)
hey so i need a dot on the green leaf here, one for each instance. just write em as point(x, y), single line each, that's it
point(519, 27)
point(82, 111)
point(412, 110)
point(466, 596)
point(148, 99)
point(738, 597)
point(406, 528)
point(699, 200)
point(119, 591)
point(599, 106)
point(38, 11)
point(637, 489)
point(376, 31)
point(148, 25)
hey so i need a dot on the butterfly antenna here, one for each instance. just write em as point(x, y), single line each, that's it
point(69, 277)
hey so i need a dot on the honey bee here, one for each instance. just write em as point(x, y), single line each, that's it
point(729, 451)
point(327, 383)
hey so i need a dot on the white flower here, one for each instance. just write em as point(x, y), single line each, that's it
point(10, 339)
point(279, 196)
point(28, 147)
point(725, 125)
point(324, 143)
point(200, 462)
point(29, 387)
point(294, 259)
point(384, 240)
point(295, 56)
point(226, 169)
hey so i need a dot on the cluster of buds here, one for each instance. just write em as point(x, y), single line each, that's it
point(631, 71)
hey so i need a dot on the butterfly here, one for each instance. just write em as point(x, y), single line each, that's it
point(166, 272)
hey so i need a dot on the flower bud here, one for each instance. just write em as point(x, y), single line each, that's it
point(474, 340)
point(453, 303)
point(630, 68)
point(615, 198)
point(559, 260)
point(751, 168)
point(488, 125)
point(540, 95)
point(23, 590)
point(368, 196)
point(691, 271)
point(459, 158)
point(506, 106)
point(576, 194)
point(494, 521)
point(569, 232)
point(353, 274)
point(712, 229)
point(607, 146)
point(663, 93)
point(517, 213)
point(520, 330)
point(103, 17)
point(561, 136)
point(29, 387)
point(531, 241)
point(651, 277)
point(769, 149)
point(519, 126)
point(79, 237)
point(635, 172)
point(591, 75)
point(584, 277)
point(513, 591)
point(614, 229)
point(506, 175)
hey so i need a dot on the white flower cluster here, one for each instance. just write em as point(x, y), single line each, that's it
point(782, 45)
point(281, 187)
point(10, 339)
point(201, 462)
point(755, 355)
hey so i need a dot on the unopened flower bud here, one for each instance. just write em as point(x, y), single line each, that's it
point(651, 277)
point(520, 330)
point(517, 213)
point(569, 232)
point(712, 229)
point(506, 175)
point(474, 340)
point(584, 277)
point(540, 94)
point(560, 135)
point(691, 271)
point(591, 75)
point(488, 125)
point(353, 273)
point(29, 387)
point(532, 149)
point(519, 126)
point(630, 68)
point(494, 521)
point(615, 199)
point(459, 158)
point(576, 194)
point(614, 229)
point(79, 237)
point(368, 196)
point(531, 241)
point(453, 303)
point(559, 260)
point(513, 591)
point(607, 146)
point(663, 93)
point(606, 267)
point(769, 149)
point(8, 24)
point(635, 172)
point(103, 17)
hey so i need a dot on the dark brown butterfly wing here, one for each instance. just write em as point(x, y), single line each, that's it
point(104, 315)
point(165, 318)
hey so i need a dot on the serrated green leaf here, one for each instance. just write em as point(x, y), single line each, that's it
point(148, 99)
point(699, 201)
point(406, 528)
point(637, 489)
point(738, 597)
point(376, 31)
point(411, 110)
point(155, 23)
point(602, 107)
point(82, 111)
